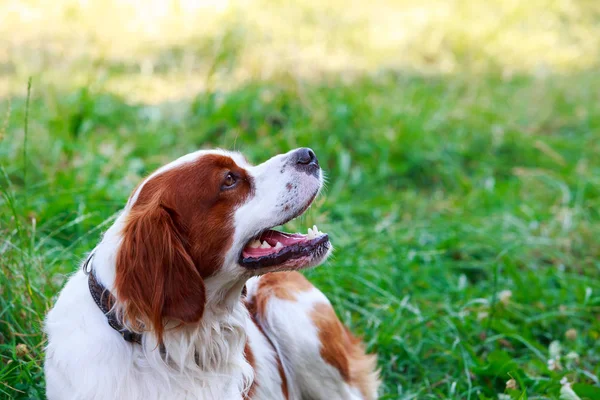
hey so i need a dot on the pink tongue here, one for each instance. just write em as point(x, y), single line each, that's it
point(272, 237)
point(258, 252)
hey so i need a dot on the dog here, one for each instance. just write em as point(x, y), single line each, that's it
point(191, 294)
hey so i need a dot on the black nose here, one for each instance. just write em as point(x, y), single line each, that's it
point(306, 160)
point(306, 156)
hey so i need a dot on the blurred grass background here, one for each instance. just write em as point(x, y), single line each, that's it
point(460, 139)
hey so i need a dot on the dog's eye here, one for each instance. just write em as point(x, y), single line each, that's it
point(230, 181)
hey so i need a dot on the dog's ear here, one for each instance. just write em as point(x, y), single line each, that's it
point(156, 278)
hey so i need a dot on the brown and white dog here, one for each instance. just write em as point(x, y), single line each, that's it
point(191, 295)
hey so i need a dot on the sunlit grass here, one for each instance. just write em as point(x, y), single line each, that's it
point(131, 44)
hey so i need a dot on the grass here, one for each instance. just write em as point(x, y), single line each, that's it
point(460, 139)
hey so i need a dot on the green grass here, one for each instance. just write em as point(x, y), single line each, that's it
point(463, 168)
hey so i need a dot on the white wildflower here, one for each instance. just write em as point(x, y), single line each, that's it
point(572, 356)
point(504, 296)
point(554, 349)
point(566, 392)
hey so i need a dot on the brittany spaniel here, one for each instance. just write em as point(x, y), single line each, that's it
point(191, 295)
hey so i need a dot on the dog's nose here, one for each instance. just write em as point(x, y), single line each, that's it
point(306, 156)
point(304, 159)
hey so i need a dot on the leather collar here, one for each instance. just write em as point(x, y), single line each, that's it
point(105, 301)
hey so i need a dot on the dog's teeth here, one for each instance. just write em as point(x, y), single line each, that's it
point(255, 244)
point(278, 245)
point(265, 245)
point(310, 234)
point(315, 229)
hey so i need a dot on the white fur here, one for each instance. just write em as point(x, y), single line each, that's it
point(269, 384)
point(87, 359)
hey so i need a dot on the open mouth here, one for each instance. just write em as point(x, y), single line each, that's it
point(288, 250)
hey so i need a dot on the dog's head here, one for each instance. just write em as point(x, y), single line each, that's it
point(201, 226)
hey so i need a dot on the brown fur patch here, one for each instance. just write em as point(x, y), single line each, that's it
point(192, 193)
point(175, 236)
point(344, 351)
point(284, 386)
point(332, 337)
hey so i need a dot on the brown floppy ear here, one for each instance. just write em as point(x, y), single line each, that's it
point(155, 276)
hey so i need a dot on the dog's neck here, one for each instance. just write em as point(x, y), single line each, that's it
point(214, 345)
point(209, 354)
point(207, 349)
